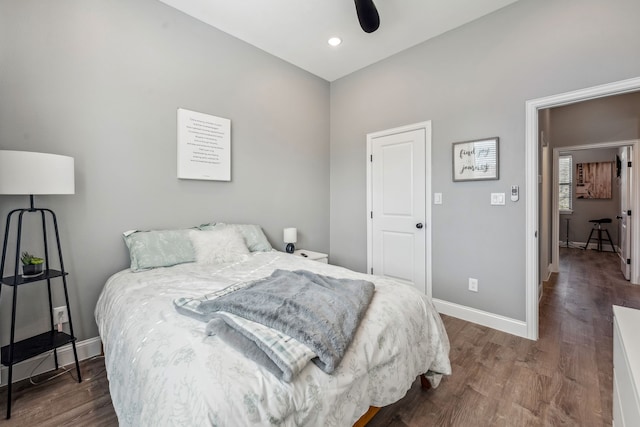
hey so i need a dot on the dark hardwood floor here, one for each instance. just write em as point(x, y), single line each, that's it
point(563, 379)
point(62, 401)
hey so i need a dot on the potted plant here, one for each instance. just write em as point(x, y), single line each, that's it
point(31, 265)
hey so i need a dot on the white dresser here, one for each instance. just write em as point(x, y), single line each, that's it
point(626, 367)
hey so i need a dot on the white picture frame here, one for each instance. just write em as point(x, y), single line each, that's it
point(204, 146)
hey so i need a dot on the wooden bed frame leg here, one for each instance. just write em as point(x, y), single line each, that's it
point(424, 382)
point(362, 422)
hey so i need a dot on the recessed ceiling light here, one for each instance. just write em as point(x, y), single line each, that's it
point(335, 41)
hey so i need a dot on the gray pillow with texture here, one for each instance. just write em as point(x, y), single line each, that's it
point(158, 248)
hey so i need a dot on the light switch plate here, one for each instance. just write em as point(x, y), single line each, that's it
point(437, 198)
point(497, 199)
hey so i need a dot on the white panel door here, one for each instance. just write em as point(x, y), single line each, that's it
point(398, 207)
point(625, 207)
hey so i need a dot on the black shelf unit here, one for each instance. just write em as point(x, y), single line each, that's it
point(51, 340)
point(20, 280)
point(31, 347)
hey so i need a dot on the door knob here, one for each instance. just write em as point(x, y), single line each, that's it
point(419, 225)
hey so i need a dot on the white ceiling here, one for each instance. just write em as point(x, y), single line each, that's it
point(297, 30)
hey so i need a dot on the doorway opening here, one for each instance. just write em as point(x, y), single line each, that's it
point(577, 226)
point(534, 179)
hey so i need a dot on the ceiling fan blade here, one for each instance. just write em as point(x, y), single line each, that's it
point(367, 15)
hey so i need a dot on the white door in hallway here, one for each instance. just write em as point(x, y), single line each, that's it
point(625, 208)
point(398, 207)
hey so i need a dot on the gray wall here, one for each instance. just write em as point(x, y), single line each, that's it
point(609, 119)
point(101, 81)
point(473, 82)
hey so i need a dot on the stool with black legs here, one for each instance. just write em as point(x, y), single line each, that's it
point(597, 226)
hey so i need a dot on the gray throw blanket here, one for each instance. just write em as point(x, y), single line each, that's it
point(319, 311)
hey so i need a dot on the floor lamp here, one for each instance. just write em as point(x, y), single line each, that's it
point(29, 173)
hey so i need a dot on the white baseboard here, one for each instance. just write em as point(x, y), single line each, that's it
point(574, 245)
point(540, 291)
point(86, 349)
point(606, 247)
point(494, 321)
point(549, 272)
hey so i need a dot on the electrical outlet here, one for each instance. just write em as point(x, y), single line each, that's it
point(473, 284)
point(60, 315)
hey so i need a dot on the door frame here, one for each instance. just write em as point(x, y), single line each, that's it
point(634, 203)
point(426, 125)
point(532, 267)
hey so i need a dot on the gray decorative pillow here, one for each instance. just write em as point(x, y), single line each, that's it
point(253, 235)
point(158, 248)
point(219, 245)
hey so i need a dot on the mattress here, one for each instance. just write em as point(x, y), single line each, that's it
point(163, 369)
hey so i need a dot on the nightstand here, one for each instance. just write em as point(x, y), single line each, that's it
point(314, 256)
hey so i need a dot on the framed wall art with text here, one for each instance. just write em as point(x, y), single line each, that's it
point(476, 160)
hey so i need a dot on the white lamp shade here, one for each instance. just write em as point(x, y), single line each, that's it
point(27, 173)
point(290, 235)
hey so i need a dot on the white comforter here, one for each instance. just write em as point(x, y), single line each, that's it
point(163, 370)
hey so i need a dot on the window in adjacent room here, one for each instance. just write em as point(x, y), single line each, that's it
point(565, 184)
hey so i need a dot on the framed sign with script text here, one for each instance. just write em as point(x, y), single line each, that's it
point(476, 160)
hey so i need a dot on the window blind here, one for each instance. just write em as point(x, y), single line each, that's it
point(565, 183)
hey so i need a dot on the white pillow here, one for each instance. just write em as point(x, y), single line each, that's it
point(218, 245)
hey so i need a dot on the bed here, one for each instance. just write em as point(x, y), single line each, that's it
point(164, 370)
